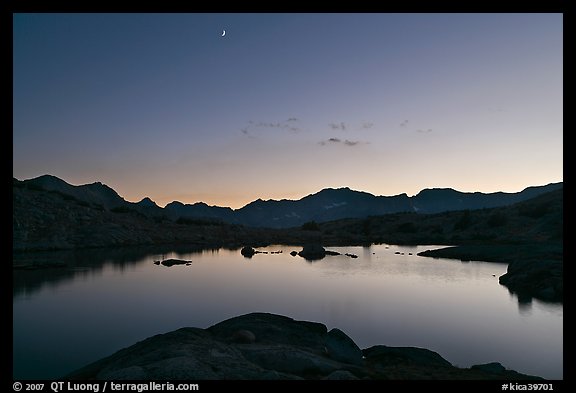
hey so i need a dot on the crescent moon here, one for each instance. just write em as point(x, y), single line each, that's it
point(223, 33)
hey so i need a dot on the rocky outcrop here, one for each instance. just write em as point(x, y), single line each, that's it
point(383, 355)
point(312, 252)
point(534, 270)
point(341, 347)
point(542, 279)
point(268, 346)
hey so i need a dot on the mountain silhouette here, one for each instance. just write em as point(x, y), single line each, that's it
point(326, 205)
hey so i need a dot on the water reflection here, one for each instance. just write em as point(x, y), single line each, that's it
point(36, 269)
point(525, 306)
point(119, 296)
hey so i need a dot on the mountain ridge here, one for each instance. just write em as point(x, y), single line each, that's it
point(325, 205)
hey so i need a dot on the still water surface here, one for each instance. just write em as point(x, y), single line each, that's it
point(65, 318)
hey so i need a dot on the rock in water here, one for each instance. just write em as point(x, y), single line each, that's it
point(172, 262)
point(312, 252)
point(248, 252)
point(342, 348)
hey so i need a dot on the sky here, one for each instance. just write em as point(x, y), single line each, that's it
point(283, 105)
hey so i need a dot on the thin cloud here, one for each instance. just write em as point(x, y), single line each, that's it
point(338, 126)
point(424, 131)
point(343, 126)
point(288, 125)
point(268, 125)
point(338, 141)
point(404, 123)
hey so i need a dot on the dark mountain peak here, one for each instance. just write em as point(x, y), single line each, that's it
point(174, 204)
point(332, 189)
point(256, 202)
point(99, 192)
point(47, 181)
point(98, 186)
point(338, 193)
point(340, 190)
point(207, 206)
point(536, 190)
point(550, 186)
point(94, 193)
point(437, 191)
point(147, 202)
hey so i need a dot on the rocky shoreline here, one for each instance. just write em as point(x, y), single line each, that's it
point(262, 346)
point(533, 270)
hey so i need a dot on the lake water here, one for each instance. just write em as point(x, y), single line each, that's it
point(65, 318)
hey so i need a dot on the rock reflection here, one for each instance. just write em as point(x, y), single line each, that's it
point(36, 270)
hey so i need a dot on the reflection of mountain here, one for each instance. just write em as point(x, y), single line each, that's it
point(78, 262)
point(326, 205)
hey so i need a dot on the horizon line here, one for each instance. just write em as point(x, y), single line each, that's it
point(286, 199)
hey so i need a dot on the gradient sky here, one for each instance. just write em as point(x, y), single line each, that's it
point(283, 105)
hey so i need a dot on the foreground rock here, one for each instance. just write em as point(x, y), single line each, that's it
point(261, 346)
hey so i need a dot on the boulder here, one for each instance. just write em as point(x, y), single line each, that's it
point(261, 346)
point(312, 252)
point(247, 251)
point(342, 348)
point(272, 328)
point(385, 356)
